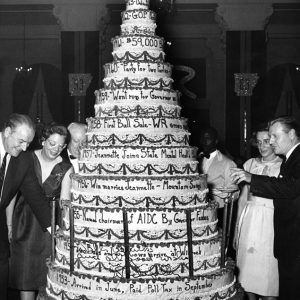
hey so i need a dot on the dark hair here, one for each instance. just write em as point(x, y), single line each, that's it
point(15, 120)
point(211, 131)
point(261, 127)
point(53, 128)
point(288, 122)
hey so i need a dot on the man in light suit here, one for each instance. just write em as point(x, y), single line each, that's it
point(217, 167)
point(285, 191)
point(77, 137)
point(17, 134)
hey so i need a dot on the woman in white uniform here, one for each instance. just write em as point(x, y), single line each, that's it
point(258, 269)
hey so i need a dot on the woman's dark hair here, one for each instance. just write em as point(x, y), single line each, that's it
point(261, 127)
point(53, 128)
point(264, 126)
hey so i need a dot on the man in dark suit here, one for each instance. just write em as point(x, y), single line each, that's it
point(17, 174)
point(77, 137)
point(285, 190)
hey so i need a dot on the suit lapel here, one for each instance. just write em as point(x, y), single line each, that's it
point(286, 164)
point(10, 177)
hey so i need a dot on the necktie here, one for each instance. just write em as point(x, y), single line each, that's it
point(2, 171)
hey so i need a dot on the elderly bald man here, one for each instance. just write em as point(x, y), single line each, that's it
point(77, 137)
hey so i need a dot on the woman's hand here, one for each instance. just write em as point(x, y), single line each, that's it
point(238, 175)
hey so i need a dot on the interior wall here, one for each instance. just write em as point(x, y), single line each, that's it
point(42, 46)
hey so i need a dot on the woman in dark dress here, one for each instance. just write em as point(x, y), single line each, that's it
point(30, 246)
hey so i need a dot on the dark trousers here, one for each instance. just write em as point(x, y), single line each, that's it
point(3, 278)
point(289, 278)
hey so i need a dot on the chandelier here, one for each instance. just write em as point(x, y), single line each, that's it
point(23, 68)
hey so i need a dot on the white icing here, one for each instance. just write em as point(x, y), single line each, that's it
point(138, 16)
point(143, 229)
point(132, 109)
point(129, 153)
point(138, 55)
point(132, 96)
point(202, 287)
point(138, 69)
point(134, 125)
point(117, 81)
point(187, 199)
point(137, 4)
point(138, 29)
point(132, 43)
point(138, 168)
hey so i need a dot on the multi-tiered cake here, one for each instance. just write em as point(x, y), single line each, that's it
point(143, 228)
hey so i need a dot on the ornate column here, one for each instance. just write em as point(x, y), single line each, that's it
point(80, 25)
point(244, 28)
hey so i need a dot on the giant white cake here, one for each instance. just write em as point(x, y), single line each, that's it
point(143, 227)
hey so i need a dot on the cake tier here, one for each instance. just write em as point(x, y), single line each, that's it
point(218, 285)
point(143, 225)
point(137, 4)
point(139, 187)
point(133, 110)
point(138, 16)
point(126, 199)
point(152, 139)
point(138, 48)
point(138, 70)
point(138, 168)
point(151, 260)
point(119, 82)
point(144, 43)
point(138, 29)
point(163, 125)
point(138, 160)
point(139, 55)
point(135, 95)
point(143, 154)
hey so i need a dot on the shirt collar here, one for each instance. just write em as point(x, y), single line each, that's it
point(2, 150)
point(212, 154)
point(291, 151)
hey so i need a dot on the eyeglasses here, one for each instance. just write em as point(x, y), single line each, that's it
point(265, 142)
point(53, 144)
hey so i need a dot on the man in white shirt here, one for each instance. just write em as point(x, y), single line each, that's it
point(285, 191)
point(77, 138)
point(217, 167)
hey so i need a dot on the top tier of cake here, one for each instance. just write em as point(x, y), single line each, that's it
point(137, 4)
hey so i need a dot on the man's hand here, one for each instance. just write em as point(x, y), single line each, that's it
point(238, 175)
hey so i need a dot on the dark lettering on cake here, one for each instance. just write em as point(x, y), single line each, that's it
point(135, 288)
point(86, 285)
point(146, 218)
point(126, 155)
point(159, 123)
point(148, 153)
point(124, 123)
point(179, 218)
point(198, 286)
point(62, 278)
point(139, 123)
point(110, 288)
point(201, 215)
point(165, 220)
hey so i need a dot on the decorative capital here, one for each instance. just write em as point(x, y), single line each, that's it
point(246, 17)
point(78, 83)
point(78, 16)
point(244, 83)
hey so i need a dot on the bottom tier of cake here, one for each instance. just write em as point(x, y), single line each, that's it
point(61, 284)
